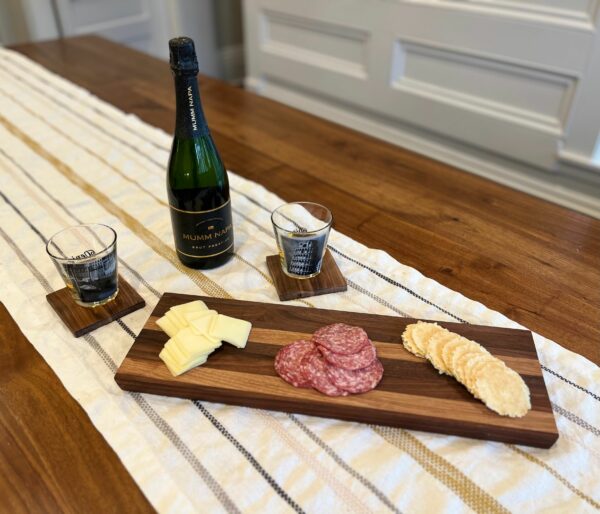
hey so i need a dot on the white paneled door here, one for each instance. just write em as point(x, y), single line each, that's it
point(136, 23)
point(497, 76)
point(146, 25)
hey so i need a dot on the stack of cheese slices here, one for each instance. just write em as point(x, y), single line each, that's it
point(195, 332)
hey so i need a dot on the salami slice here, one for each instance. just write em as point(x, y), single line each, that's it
point(307, 357)
point(341, 338)
point(315, 369)
point(356, 381)
point(288, 362)
point(358, 360)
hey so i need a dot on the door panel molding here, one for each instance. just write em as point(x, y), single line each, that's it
point(569, 13)
point(314, 42)
point(499, 86)
point(417, 70)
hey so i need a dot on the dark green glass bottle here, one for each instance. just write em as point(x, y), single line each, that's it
point(197, 183)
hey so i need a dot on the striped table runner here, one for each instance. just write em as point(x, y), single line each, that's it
point(67, 158)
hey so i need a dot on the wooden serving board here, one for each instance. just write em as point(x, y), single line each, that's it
point(411, 394)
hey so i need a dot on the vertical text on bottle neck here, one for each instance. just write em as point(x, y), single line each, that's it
point(190, 120)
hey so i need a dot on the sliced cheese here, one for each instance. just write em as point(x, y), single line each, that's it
point(176, 319)
point(191, 316)
point(231, 330)
point(179, 312)
point(203, 324)
point(173, 355)
point(167, 326)
point(178, 355)
point(193, 345)
point(195, 306)
point(175, 368)
point(195, 332)
point(168, 358)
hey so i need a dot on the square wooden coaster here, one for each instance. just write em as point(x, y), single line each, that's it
point(330, 280)
point(81, 320)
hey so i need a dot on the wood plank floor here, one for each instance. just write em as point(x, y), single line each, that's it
point(536, 262)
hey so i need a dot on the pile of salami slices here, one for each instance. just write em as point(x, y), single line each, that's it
point(339, 359)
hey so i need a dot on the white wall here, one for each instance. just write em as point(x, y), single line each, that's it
point(496, 87)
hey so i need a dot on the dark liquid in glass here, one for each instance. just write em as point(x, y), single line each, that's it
point(94, 281)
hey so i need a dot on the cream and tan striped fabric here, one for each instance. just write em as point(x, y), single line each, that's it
point(65, 158)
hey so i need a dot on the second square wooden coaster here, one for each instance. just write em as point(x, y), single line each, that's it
point(330, 280)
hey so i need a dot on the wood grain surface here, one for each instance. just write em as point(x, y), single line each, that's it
point(52, 459)
point(82, 320)
point(330, 280)
point(536, 262)
point(411, 394)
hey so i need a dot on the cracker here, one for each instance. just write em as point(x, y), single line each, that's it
point(435, 347)
point(500, 388)
point(450, 348)
point(477, 364)
point(460, 364)
point(461, 358)
point(407, 340)
point(461, 349)
point(422, 333)
point(503, 391)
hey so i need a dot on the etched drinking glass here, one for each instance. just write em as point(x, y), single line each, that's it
point(301, 230)
point(86, 258)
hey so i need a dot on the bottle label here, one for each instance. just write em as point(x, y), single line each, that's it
point(190, 121)
point(202, 234)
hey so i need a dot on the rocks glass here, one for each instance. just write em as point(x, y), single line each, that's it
point(86, 258)
point(301, 230)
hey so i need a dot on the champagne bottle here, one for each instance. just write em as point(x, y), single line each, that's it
point(197, 184)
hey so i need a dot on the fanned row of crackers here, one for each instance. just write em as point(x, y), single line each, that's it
point(486, 377)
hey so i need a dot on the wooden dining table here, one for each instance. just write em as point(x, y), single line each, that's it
point(536, 262)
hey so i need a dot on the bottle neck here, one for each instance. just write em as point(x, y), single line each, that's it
point(190, 121)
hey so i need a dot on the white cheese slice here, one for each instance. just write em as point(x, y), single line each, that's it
point(177, 369)
point(203, 324)
point(193, 345)
point(191, 316)
point(176, 358)
point(195, 306)
point(178, 355)
point(193, 364)
point(177, 320)
point(231, 330)
point(167, 357)
point(167, 326)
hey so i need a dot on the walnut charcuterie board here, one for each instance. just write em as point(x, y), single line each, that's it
point(411, 394)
